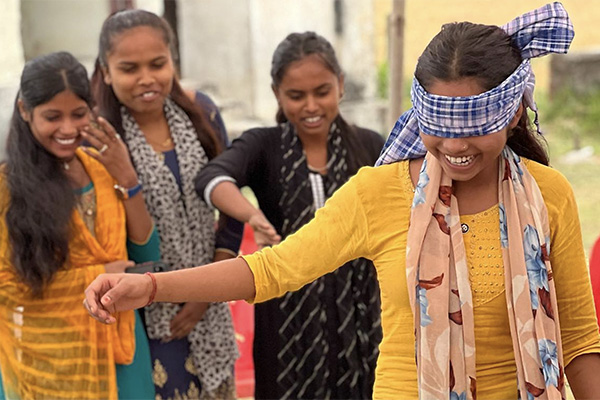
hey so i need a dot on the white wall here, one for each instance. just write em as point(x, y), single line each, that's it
point(11, 56)
point(227, 45)
point(215, 47)
point(69, 25)
point(271, 22)
point(11, 63)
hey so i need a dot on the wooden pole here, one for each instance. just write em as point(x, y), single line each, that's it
point(396, 57)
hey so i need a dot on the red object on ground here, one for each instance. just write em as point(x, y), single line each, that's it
point(243, 322)
point(595, 275)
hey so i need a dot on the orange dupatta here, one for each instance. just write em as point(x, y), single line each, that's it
point(50, 347)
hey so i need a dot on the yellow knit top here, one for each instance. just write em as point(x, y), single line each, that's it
point(368, 217)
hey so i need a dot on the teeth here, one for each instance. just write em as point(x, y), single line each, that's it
point(148, 94)
point(312, 119)
point(65, 142)
point(461, 161)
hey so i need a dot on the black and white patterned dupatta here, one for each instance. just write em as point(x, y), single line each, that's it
point(305, 370)
point(187, 237)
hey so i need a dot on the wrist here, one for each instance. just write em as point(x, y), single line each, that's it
point(253, 212)
point(153, 287)
point(128, 181)
point(127, 192)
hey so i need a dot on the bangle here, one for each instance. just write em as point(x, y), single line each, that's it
point(153, 293)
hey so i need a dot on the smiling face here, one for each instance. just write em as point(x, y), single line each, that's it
point(309, 95)
point(56, 124)
point(140, 70)
point(469, 158)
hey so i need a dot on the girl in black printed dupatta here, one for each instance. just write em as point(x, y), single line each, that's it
point(320, 342)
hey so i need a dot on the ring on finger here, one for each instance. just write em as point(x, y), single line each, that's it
point(103, 148)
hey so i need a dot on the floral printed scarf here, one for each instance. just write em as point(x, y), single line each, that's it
point(437, 274)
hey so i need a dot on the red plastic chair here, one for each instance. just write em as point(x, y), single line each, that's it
point(243, 322)
point(595, 275)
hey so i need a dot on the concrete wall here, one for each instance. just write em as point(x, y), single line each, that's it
point(68, 25)
point(11, 56)
point(576, 71)
point(11, 63)
point(215, 48)
point(227, 46)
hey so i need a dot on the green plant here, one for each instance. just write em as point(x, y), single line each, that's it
point(570, 122)
point(383, 83)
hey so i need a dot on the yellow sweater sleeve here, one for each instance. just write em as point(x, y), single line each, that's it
point(579, 328)
point(336, 235)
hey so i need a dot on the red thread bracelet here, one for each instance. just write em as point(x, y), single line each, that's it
point(153, 293)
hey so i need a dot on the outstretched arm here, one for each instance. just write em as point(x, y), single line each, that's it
point(216, 282)
point(226, 196)
point(243, 164)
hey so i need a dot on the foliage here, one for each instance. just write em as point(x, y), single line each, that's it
point(571, 122)
point(383, 82)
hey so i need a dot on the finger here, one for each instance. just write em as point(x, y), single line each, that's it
point(87, 307)
point(268, 229)
point(174, 326)
point(108, 129)
point(177, 322)
point(272, 235)
point(97, 131)
point(110, 300)
point(92, 154)
point(92, 139)
point(93, 292)
point(180, 334)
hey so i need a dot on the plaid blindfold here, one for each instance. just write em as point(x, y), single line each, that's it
point(547, 29)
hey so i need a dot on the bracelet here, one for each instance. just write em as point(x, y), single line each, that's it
point(153, 293)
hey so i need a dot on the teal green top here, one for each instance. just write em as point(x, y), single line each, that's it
point(148, 251)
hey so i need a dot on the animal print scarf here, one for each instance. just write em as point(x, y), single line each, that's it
point(187, 237)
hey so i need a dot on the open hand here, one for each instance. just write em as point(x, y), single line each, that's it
point(111, 293)
point(110, 151)
point(186, 319)
point(264, 233)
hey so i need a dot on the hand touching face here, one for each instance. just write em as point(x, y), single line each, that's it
point(57, 124)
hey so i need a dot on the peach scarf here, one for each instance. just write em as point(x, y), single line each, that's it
point(437, 274)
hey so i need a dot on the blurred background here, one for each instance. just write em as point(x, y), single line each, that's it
point(226, 47)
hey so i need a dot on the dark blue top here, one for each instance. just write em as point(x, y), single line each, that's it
point(173, 164)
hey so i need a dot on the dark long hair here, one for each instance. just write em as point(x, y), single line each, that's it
point(486, 54)
point(106, 100)
point(297, 46)
point(38, 217)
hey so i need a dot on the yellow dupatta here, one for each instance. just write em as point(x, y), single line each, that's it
point(50, 347)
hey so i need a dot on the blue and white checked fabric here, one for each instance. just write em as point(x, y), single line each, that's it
point(547, 29)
